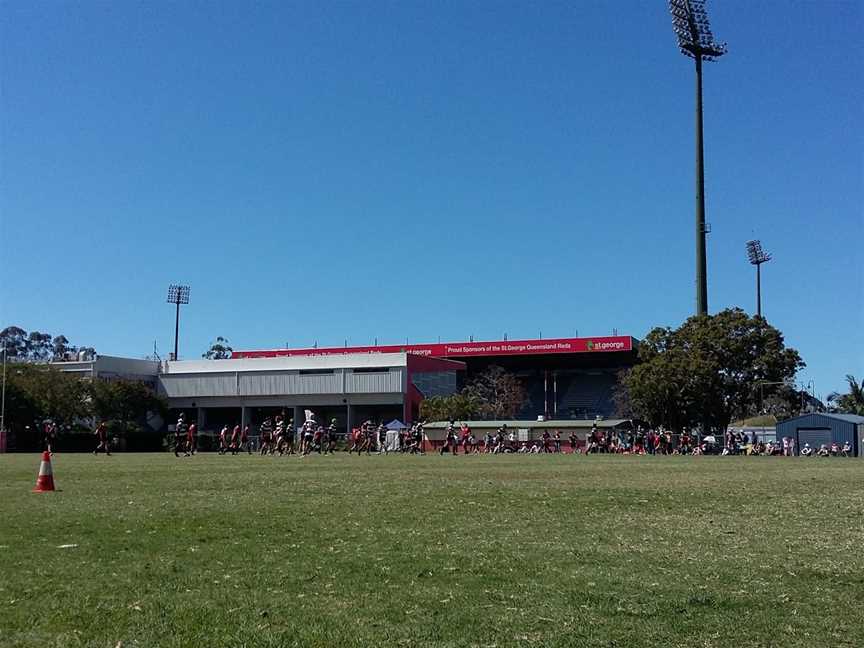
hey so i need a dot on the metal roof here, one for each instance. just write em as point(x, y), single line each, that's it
point(311, 363)
point(851, 418)
point(562, 423)
point(847, 418)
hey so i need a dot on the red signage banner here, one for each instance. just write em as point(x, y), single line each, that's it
point(465, 349)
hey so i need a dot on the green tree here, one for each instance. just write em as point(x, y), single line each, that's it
point(220, 349)
point(124, 403)
point(38, 392)
point(851, 403)
point(449, 408)
point(60, 347)
point(708, 371)
point(39, 346)
point(14, 340)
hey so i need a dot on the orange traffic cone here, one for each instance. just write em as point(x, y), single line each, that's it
point(45, 480)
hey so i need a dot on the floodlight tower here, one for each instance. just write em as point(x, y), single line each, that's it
point(177, 294)
point(757, 257)
point(690, 22)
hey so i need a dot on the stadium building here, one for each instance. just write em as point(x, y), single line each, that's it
point(565, 378)
point(350, 388)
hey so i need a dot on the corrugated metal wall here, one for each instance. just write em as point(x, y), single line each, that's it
point(283, 383)
point(261, 384)
point(840, 431)
point(374, 383)
point(198, 386)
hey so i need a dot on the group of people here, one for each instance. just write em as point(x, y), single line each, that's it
point(824, 450)
point(369, 437)
point(276, 436)
point(502, 440)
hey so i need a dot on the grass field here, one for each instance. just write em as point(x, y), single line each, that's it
point(432, 551)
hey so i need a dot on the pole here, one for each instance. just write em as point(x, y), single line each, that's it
point(758, 290)
point(701, 264)
point(3, 406)
point(545, 394)
point(177, 330)
point(555, 394)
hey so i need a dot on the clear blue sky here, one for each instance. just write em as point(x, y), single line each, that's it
point(323, 171)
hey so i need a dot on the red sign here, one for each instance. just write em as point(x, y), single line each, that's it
point(465, 349)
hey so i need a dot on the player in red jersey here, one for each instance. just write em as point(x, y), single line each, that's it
point(244, 440)
point(235, 439)
point(464, 433)
point(101, 435)
point(191, 439)
point(356, 435)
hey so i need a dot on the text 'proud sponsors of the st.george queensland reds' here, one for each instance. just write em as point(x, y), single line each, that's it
point(463, 349)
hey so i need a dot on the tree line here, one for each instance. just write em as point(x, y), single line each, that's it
point(494, 394)
point(702, 375)
point(710, 371)
point(36, 346)
point(36, 393)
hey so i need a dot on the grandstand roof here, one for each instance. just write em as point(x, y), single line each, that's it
point(555, 424)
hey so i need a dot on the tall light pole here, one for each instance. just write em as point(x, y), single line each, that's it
point(3, 406)
point(757, 257)
point(177, 294)
point(690, 22)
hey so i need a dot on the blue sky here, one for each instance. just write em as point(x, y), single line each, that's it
point(323, 171)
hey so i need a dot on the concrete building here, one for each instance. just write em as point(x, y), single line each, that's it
point(108, 367)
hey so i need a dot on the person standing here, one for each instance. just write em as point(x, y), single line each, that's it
point(369, 437)
point(266, 431)
point(450, 441)
point(308, 436)
point(101, 434)
point(191, 439)
point(180, 434)
point(279, 434)
point(382, 439)
point(244, 440)
point(465, 433)
point(49, 436)
point(331, 437)
point(223, 440)
point(289, 434)
point(235, 439)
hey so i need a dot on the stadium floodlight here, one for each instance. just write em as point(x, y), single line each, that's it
point(177, 294)
point(757, 256)
point(691, 27)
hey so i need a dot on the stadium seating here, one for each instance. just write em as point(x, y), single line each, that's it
point(581, 395)
point(586, 396)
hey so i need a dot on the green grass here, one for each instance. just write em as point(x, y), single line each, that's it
point(432, 551)
point(767, 420)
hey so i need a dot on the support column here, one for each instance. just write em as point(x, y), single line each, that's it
point(200, 418)
point(299, 419)
point(244, 417)
point(554, 394)
point(348, 422)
